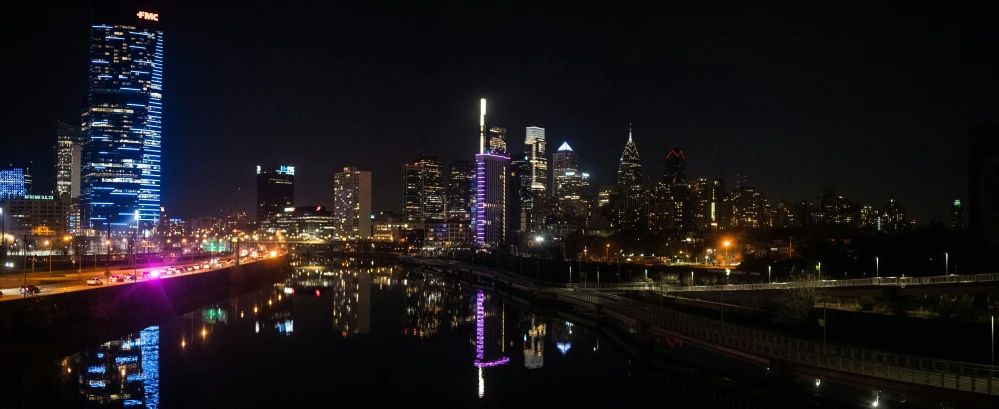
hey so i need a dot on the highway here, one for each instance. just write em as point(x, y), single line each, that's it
point(72, 281)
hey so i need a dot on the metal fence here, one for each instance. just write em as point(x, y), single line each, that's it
point(932, 372)
point(856, 282)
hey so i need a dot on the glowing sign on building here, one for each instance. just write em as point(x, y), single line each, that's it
point(145, 15)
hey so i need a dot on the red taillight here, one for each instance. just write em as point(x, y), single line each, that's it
point(317, 292)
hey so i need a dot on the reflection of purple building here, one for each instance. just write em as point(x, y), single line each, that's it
point(480, 331)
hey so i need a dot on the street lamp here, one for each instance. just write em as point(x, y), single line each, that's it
point(48, 243)
point(768, 274)
point(727, 272)
point(877, 267)
point(946, 263)
point(607, 252)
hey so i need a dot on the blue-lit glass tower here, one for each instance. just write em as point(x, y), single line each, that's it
point(121, 127)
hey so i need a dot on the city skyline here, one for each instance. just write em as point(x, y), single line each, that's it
point(790, 133)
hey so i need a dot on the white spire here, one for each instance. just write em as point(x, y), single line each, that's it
point(564, 147)
point(629, 131)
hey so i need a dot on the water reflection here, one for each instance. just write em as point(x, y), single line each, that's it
point(534, 342)
point(395, 334)
point(121, 372)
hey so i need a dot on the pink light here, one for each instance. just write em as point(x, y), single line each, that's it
point(501, 361)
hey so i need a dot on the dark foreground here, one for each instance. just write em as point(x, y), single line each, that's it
point(371, 335)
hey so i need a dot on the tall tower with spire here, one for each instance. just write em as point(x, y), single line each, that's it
point(629, 171)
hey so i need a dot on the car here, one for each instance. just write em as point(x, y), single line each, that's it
point(116, 278)
point(29, 289)
point(188, 269)
point(206, 266)
point(130, 277)
point(94, 281)
point(196, 267)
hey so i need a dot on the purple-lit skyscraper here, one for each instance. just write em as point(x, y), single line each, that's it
point(489, 219)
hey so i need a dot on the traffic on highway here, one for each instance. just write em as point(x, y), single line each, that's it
point(123, 276)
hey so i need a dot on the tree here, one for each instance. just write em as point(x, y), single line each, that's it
point(796, 304)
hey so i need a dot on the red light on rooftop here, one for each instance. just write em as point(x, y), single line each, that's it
point(676, 153)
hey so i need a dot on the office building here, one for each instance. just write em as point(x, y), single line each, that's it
point(121, 122)
point(534, 149)
point(490, 216)
point(308, 223)
point(67, 160)
point(956, 215)
point(12, 183)
point(36, 216)
point(352, 203)
point(275, 192)
point(460, 188)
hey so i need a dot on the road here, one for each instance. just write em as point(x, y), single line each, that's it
point(72, 281)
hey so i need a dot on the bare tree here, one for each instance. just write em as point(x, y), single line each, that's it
point(798, 301)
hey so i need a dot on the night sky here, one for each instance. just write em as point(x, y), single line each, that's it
point(872, 100)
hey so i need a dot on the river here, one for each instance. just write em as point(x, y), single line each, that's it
point(368, 333)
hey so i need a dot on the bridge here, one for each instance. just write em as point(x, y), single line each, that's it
point(957, 382)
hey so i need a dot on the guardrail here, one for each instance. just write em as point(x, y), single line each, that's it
point(903, 368)
point(855, 282)
point(954, 375)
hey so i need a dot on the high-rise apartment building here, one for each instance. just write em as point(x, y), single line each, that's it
point(412, 193)
point(460, 190)
point(275, 193)
point(121, 124)
point(67, 160)
point(957, 215)
point(423, 191)
point(534, 149)
point(352, 203)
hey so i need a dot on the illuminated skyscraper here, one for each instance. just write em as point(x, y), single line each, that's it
point(423, 191)
point(275, 192)
point(629, 171)
point(121, 126)
point(352, 203)
point(460, 189)
point(489, 216)
point(12, 183)
point(67, 160)
point(412, 193)
point(567, 180)
point(534, 149)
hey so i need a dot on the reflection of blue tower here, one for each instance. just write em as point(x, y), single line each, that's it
point(480, 330)
point(150, 338)
point(124, 371)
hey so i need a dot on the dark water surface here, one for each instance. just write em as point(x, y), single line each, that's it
point(373, 335)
